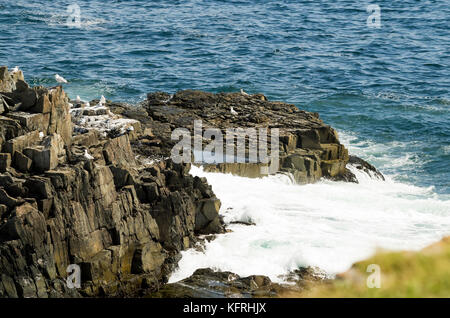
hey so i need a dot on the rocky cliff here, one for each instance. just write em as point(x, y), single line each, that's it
point(73, 194)
point(94, 186)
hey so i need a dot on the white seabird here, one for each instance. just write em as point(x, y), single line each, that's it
point(233, 112)
point(15, 70)
point(78, 100)
point(87, 155)
point(244, 93)
point(102, 100)
point(60, 79)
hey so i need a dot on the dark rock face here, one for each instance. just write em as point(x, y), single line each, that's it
point(207, 283)
point(309, 149)
point(85, 199)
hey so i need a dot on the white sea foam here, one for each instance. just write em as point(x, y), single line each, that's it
point(328, 224)
point(387, 157)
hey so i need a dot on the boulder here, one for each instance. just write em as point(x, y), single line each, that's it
point(118, 151)
point(151, 191)
point(148, 258)
point(122, 177)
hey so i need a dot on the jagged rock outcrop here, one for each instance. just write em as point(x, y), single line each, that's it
point(207, 283)
point(80, 196)
point(363, 165)
point(309, 149)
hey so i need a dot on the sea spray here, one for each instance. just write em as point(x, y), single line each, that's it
point(327, 224)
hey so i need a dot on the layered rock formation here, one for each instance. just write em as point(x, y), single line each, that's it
point(308, 148)
point(94, 186)
point(81, 196)
point(207, 283)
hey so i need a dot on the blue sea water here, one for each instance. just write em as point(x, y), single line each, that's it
point(387, 86)
point(386, 90)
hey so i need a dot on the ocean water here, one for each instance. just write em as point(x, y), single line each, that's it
point(386, 90)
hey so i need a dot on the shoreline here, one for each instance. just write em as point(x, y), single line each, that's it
point(76, 191)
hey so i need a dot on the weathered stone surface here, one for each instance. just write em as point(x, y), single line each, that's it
point(60, 119)
point(122, 176)
point(22, 162)
point(207, 283)
point(24, 95)
point(31, 121)
point(22, 142)
point(9, 128)
point(49, 154)
point(43, 105)
point(206, 220)
point(5, 161)
point(3, 105)
point(8, 81)
point(118, 151)
point(7, 200)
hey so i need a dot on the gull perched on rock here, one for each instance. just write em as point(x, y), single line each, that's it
point(15, 69)
point(233, 112)
point(103, 100)
point(87, 155)
point(60, 79)
point(78, 100)
point(244, 93)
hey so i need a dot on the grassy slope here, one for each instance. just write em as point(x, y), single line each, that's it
point(403, 274)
